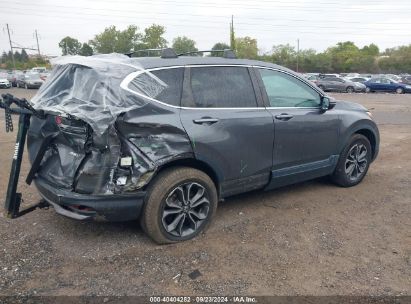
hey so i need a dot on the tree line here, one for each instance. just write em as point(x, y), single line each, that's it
point(343, 57)
point(21, 59)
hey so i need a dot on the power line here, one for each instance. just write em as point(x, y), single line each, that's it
point(354, 33)
point(265, 8)
point(197, 15)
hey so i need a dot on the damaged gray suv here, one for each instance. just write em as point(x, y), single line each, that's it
point(164, 139)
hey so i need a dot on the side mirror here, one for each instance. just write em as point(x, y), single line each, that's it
point(327, 103)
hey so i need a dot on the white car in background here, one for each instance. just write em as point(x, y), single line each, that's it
point(4, 83)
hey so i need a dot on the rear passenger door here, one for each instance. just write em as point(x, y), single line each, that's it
point(229, 128)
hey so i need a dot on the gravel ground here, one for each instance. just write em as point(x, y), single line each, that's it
point(308, 239)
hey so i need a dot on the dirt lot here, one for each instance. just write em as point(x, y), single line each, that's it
point(308, 239)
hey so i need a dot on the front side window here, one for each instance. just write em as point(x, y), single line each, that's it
point(220, 87)
point(284, 90)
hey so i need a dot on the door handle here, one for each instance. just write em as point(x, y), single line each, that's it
point(205, 120)
point(284, 116)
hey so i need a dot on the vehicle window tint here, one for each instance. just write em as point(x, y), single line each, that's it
point(221, 87)
point(329, 79)
point(164, 85)
point(284, 90)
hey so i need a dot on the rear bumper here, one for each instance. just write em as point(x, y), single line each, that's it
point(113, 207)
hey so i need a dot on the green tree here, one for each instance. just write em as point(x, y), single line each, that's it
point(371, 50)
point(396, 60)
point(17, 56)
point(219, 46)
point(4, 57)
point(24, 56)
point(284, 54)
point(153, 37)
point(183, 45)
point(69, 46)
point(246, 47)
point(343, 56)
point(86, 50)
point(112, 40)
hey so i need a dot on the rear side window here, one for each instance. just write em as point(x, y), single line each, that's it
point(164, 85)
point(220, 87)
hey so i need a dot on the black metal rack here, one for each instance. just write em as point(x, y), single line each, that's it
point(25, 111)
point(170, 53)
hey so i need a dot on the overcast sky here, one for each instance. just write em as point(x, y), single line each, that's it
point(318, 24)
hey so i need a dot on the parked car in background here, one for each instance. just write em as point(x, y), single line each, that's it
point(352, 75)
point(29, 81)
point(359, 79)
point(328, 75)
point(382, 84)
point(39, 70)
point(4, 82)
point(313, 78)
point(44, 76)
point(406, 79)
point(13, 77)
point(393, 77)
point(338, 84)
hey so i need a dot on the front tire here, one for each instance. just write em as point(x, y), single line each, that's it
point(180, 204)
point(367, 90)
point(399, 90)
point(354, 162)
point(26, 86)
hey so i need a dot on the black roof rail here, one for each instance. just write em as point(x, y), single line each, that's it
point(165, 53)
point(227, 53)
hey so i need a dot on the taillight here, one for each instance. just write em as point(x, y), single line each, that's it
point(59, 120)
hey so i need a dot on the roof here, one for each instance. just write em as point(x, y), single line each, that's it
point(156, 62)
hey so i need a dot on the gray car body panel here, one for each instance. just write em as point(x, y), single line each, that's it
point(246, 149)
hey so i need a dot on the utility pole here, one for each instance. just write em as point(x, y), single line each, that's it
point(11, 46)
point(38, 46)
point(298, 52)
point(232, 35)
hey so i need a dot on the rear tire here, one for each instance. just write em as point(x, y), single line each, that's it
point(354, 162)
point(367, 90)
point(321, 87)
point(180, 204)
point(350, 90)
point(25, 86)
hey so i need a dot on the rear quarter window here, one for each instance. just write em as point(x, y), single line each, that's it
point(164, 85)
